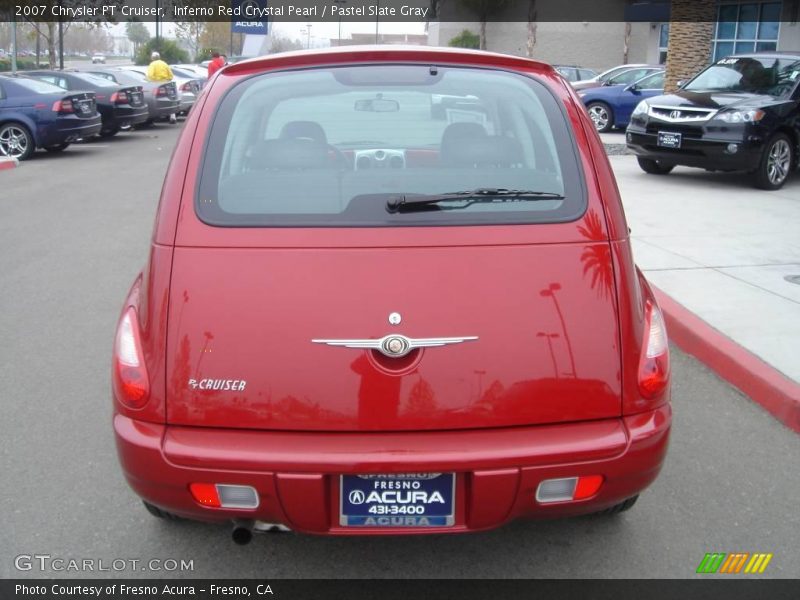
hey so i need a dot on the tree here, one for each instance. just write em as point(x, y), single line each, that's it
point(137, 33)
point(170, 52)
point(466, 39)
point(49, 31)
point(484, 9)
point(284, 44)
point(533, 16)
point(691, 30)
point(191, 32)
point(218, 36)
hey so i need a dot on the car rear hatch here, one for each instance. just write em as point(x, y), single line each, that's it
point(243, 324)
point(287, 327)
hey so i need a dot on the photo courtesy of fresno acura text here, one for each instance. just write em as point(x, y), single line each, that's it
point(481, 298)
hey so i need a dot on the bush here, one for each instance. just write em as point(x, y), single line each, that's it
point(23, 64)
point(170, 52)
point(466, 39)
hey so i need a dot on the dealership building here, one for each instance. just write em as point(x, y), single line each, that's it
point(625, 31)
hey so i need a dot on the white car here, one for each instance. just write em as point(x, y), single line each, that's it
point(98, 59)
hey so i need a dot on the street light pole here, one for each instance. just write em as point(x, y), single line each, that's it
point(308, 41)
point(339, 2)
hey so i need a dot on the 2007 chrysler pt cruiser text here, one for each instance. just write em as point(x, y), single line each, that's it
point(360, 315)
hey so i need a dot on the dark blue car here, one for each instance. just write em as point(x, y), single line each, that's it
point(611, 106)
point(35, 114)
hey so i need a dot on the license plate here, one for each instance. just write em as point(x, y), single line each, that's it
point(413, 500)
point(667, 139)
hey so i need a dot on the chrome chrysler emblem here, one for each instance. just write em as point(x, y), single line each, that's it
point(397, 346)
point(675, 114)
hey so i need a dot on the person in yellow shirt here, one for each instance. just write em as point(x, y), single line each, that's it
point(158, 70)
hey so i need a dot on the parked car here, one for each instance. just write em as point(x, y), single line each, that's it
point(121, 107)
point(98, 59)
point(443, 338)
point(621, 74)
point(161, 97)
point(191, 72)
point(740, 114)
point(188, 88)
point(611, 106)
point(573, 73)
point(35, 114)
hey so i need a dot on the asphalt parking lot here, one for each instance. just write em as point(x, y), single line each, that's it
point(74, 231)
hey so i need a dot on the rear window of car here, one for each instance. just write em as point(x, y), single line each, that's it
point(96, 80)
point(332, 147)
point(38, 87)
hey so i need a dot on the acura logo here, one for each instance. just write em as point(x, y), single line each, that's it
point(357, 497)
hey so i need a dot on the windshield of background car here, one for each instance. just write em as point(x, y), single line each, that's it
point(332, 146)
point(758, 75)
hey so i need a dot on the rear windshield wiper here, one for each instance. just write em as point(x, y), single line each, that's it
point(467, 198)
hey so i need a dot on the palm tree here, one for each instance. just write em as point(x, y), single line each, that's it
point(691, 30)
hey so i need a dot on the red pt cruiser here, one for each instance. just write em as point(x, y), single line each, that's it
point(390, 291)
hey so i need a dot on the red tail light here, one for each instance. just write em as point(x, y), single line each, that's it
point(161, 90)
point(63, 106)
point(131, 383)
point(205, 494)
point(119, 98)
point(654, 363)
point(186, 87)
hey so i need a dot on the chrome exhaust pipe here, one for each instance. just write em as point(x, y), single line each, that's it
point(242, 533)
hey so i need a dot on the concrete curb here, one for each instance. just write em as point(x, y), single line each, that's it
point(8, 163)
point(756, 379)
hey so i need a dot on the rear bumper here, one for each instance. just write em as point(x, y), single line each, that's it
point(163, 108)
point(125, 116)
point(296, 474)
point(68, 129)
point(697, 152)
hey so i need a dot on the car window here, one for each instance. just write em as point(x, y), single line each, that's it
point(136, 75)
point(629, 76)
point(586, 74)
point(107, 76)
point(330, 146)
point(95, 80)
point(36, 86)
point(652, 82)
point(606, 75)
point(763, 75)
point(569, 73)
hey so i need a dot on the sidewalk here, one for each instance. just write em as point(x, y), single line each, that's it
point(723, 250)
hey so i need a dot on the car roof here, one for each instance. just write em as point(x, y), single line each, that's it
point(772, 54)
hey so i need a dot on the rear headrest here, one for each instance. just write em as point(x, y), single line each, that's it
point(288, 154)
point(309, 130)
point(468, 145)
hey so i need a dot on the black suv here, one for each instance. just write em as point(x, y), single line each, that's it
point(742, 113)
